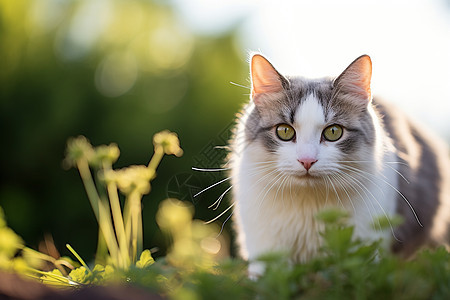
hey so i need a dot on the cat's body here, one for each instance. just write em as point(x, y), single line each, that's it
point(304, 145)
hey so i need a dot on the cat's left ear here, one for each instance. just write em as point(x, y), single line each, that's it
point(355, 80)
point(265, 78)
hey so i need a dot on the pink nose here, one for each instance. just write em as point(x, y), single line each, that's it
point(307, 162)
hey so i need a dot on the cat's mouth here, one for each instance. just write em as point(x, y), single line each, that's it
point(306, 179)
point(306, 176)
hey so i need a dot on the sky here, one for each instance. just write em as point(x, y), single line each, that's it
point(408, 41)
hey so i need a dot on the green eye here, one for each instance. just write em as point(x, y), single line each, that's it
point(285, 132)
point(333, 133)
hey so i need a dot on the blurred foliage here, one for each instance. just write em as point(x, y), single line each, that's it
point(114, 71)
point(119, 218)
point(344, 269)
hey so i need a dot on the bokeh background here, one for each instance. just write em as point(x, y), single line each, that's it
point(120, 71)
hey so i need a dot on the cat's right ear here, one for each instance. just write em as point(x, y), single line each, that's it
point(355, 80)
point(265, 78)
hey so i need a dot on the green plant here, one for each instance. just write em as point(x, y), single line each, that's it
point(121, 231)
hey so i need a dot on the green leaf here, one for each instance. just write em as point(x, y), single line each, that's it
point(339, 240)
point(79, 275)
point(384, 222)
point(54, 277)
point(10, 242)
point(333, 216)
point(145, 260)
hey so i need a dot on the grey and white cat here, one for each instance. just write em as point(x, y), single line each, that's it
point(302, 145)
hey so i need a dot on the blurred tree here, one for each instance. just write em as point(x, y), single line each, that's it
point(114, 71)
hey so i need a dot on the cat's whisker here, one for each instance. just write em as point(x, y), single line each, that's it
point(223, 147)
point(363, 174)
point(335, 191)
point(263, 177)
point(327, 190)
point(272, 182)
point(400, 174)
point(290, 192)
point(210, 170)
point(398, 192)
point(386, 163)
point(318, 193)
point(260, 173)
point(281, 186)
point(240, 85)
point(266, 167)
point(339, 180)
point(221, 214)
point(391, 186)
point(275, 181)
point(371, 161)
point(363, 189)
point(211, 186)
point(380, 206)
point(264, 163)
point(407, 202)
point(223, 224)
point(219, 200)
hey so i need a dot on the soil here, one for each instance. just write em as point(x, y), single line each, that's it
point(15, 287)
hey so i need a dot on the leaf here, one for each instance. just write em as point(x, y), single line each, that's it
point(145, 260)
point(333, 216)
point(54, 277)
point(79, 275)
point(10, 242)
point(339, 240)
point(384, 222)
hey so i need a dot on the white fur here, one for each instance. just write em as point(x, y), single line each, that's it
point(275, 210)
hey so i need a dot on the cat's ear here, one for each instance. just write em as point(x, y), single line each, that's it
point(265, 78)
point(355, 80)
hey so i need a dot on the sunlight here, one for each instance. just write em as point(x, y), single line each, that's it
point(89, 22)
point(407, 40)
point(116, 74)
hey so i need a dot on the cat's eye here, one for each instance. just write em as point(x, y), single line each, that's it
point(333, 133)
point(285, 132)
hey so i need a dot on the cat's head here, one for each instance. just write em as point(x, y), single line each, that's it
point(311, 129)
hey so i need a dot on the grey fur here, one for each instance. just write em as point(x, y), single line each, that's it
point(428, 181)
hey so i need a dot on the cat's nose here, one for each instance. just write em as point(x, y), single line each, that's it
point(307, 162)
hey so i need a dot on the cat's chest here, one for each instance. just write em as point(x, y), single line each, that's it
point(281, 220)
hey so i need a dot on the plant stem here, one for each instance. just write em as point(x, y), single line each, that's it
point(89, 186)
point(156, 158)
point(140, 237)
point(78, 257)
point(58, 263)
point(105, 224)
point(102, 214)
point(118, 223)
point(136, 224)
point(102, 254)
point(127, 224)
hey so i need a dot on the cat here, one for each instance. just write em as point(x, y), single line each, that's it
point(302, 145)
